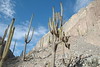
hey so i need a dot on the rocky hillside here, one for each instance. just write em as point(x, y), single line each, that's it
point(84, 29)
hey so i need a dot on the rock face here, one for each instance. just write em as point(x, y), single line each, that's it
point(86, 21)
point(84, 29)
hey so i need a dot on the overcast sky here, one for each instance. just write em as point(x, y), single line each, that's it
point(22, 10)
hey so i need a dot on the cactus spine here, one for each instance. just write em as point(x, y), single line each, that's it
point(26, 38)
point(7, 46)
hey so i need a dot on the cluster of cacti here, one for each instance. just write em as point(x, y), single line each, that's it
point(27, 37)
point(56, 29)
point(8, 42)
point(5, 45)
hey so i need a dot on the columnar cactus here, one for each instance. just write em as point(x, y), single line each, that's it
point(7, 46)
point(5, 34)
point(26, 37)
point(56, 29)
point(54, 25)
point(2, 42)
point(14, 47)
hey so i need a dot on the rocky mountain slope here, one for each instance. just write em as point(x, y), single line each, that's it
point(84, 29)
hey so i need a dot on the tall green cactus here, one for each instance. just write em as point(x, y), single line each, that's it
point(53, 26)
point(56, 29)
point(7, 46)
point(2, 42)
point(5, 34)
point(26, 38)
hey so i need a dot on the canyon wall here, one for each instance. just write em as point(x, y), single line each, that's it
point(80, 24)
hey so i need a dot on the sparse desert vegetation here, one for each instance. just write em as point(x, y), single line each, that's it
point(71, 44)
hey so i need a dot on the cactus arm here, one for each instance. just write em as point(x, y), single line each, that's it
point(61, 14)
point(53, 10)
point(5, 33)
point(61, 6)
point(29, 27)
point(31, 36)
point(26, 37)
point(14, 47)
